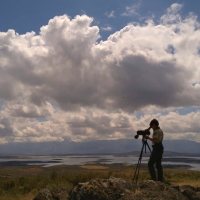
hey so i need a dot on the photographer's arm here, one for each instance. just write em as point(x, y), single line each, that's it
point(154, 140)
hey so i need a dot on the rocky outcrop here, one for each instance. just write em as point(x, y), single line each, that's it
point(120, 189)
point(190, 192)
point(44, 194)
point(102, 189)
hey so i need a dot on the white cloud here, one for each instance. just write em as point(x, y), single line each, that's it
point(172, 15)
point(107, 28)
point(132, 10)
point(88, 90)
point(111, 14)
point(2, 126)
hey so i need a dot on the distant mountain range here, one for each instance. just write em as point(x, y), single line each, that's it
point(95, 147)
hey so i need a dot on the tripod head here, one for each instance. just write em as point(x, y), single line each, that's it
point(144, 139)
point(145, 143)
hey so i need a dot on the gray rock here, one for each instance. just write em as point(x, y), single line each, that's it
point(149, 189)
point(119, 189)
point(44, 194)
point(102, 189)
point(62, 194)
point(190, 192)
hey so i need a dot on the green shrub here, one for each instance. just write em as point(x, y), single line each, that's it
point(9, 185)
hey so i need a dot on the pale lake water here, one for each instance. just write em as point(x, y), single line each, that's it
point(47, 161)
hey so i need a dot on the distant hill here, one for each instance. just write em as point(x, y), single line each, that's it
point(95, 147)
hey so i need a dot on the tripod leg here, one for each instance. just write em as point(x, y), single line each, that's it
point(148, 146)
point(138, 165)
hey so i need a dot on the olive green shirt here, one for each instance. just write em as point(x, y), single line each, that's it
point(158, 134)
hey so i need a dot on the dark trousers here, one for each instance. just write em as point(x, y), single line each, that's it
point(156, 158)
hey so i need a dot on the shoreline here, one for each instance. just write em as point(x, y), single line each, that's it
point(179, 162)
point(91, 164)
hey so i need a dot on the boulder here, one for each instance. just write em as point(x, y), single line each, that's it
point(149, 189)
point(44, 194)
point(190, 192)
point(119, 189)
point(102, 189)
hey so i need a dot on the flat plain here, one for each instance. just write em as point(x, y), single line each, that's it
point(24, 182)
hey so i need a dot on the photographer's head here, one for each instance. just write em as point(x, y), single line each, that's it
point(154, 124)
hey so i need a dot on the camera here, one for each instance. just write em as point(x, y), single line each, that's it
point(143, 132)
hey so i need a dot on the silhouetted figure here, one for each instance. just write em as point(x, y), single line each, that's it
point(157, 151)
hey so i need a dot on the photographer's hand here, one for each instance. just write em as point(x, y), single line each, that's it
point(147, 137)
point(154, 140)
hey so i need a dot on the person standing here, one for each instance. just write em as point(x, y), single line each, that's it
point(157, 151)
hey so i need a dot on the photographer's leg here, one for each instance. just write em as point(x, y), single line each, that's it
point(151, 163)
point(159, 168)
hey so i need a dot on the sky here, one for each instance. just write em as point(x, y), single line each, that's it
point(98, 70)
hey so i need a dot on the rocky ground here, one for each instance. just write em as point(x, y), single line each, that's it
point(120, 189)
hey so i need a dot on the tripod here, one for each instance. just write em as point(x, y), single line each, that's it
point(136, 174)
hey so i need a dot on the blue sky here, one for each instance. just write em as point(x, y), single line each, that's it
point(26, 16)
point(101, 75)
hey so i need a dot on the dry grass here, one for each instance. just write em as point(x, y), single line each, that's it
point(93, 167)
point(23, 183)
point(20, 197)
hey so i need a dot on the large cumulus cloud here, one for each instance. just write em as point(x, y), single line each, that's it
point(62, 83)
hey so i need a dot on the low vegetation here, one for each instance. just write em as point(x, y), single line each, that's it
point(23, 183)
